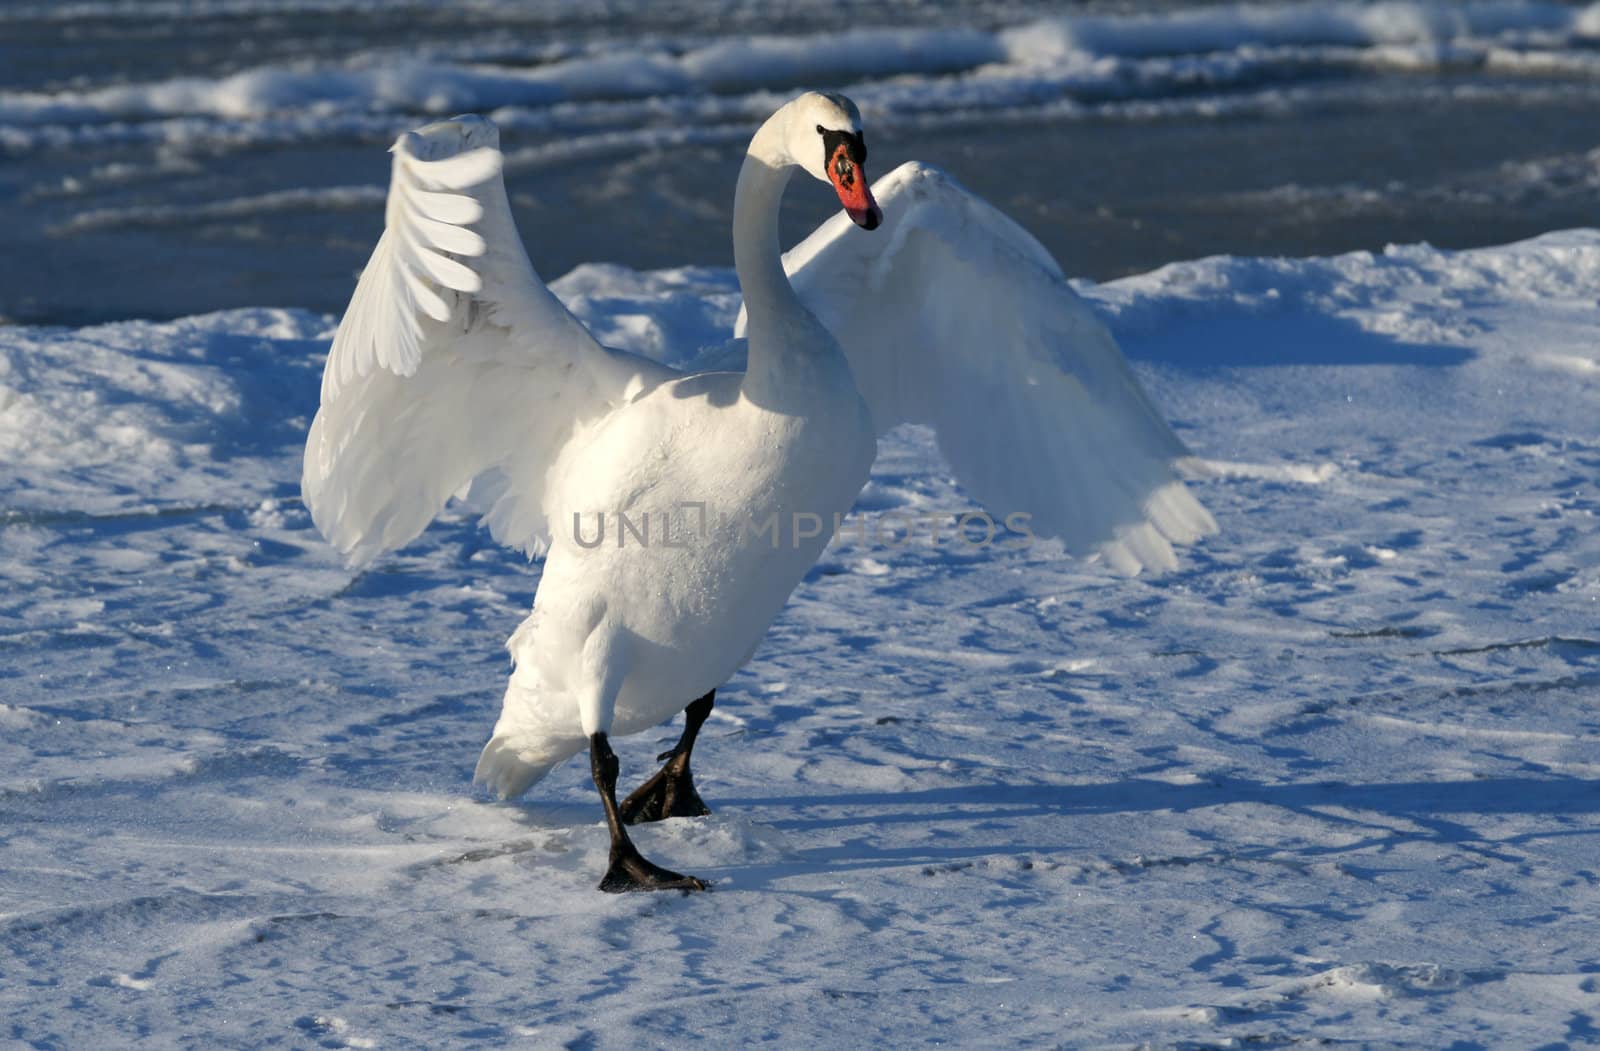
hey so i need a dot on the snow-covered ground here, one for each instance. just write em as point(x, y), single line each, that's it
point(1336, 780)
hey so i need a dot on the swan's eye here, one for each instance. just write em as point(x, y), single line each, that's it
point(820, 131)
point(845, 144)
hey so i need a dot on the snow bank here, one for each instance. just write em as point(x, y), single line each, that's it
point(134, 416)
point(1410, 293)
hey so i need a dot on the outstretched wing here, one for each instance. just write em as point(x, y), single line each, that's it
point(952, 315)
point(454, 365)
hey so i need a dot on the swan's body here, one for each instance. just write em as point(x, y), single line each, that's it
point(626, 619)
point(679, 512)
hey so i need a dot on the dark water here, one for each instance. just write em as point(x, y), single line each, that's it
point(116, 221)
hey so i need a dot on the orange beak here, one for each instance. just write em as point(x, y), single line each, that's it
point(850, 180)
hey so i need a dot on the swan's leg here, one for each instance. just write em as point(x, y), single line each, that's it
point(670, 793)
point(628, 870)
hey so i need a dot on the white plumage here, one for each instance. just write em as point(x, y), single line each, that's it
point(453, 364)
point(455, 372)
point(954, 316)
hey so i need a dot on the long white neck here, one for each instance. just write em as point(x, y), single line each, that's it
point(784, 337)
point(757, 254)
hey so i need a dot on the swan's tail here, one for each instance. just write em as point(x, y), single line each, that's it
point(534, 732)
point(509, 771)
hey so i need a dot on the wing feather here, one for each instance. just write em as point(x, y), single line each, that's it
point(444, 237)
point(456, 208)
point(953, 316)
point(454, 366)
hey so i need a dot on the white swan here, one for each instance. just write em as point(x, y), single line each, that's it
point(456, 372)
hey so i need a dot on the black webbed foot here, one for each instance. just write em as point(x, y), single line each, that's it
point(670, 793)
point(628, 869)
point(633, 872)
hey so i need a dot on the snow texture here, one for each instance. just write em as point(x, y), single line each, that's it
point(1336, 779)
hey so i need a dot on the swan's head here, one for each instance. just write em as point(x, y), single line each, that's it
point(825, 139)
